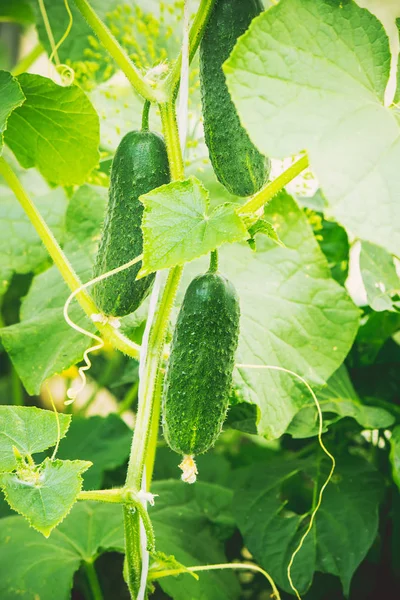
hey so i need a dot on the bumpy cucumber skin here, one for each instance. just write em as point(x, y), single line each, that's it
point(199, 374)
point(140, 164)
point(237, 163)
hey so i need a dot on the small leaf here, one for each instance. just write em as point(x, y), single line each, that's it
point(178, 227)
point(266, 228)
point(30, 430)
point(379, 276)
point(11, 97)
point(56, 130)
point(44, 494)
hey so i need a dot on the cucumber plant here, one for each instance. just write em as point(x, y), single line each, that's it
point(274, 385)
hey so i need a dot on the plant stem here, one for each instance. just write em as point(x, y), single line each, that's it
point(27, 61)
point(93, 580)
point(145, 115)
point(154, 428)
point(110, 334)
point(195, 35)
point(115, 496)
point(118, 53)
point(148, 407)
point(271, 189)
point(213, 261)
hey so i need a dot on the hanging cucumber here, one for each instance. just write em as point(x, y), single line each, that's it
point(237, 163)
point(199, 374)
point(140, 164)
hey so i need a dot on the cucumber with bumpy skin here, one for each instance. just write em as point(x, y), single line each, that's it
point(199, 374)
point(140, 164)
point(237, 163)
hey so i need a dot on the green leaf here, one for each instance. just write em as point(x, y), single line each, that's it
point(180, 515)
point(47, 573)
point(11, 97)
point(178, 227)
point(30, 430)
point(19, 11)
point(103, 441)
point(379, 277)
point(293, 315)
point(344, 529)
point(56, 130)
point(183, 513)
point(43, 344)
point(264, 227)
point(311, 74)
point(339, 397)
point(395, 454)
point(46, 493)
point(21, 249)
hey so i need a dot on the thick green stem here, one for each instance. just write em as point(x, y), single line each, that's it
point(93, 581)
point(118, 53)
point(154, 428)
point(115, 496)
point(149, 400)
point(271, 189)
point(17, 389)
point(214, 261)
point(28, 60)
point(145, 115)
point(110, 334)
point(195, 35)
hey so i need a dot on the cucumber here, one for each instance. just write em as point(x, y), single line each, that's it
point(237, 163)
point(199, 373)
point(140, 164)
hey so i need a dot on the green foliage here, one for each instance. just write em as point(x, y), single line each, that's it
point(28, 429)
point(346, 524)
point(380, 278)
point(315, 77)
point(309, 75)
point(11, 97)
point(189, 229)
point(62, 135)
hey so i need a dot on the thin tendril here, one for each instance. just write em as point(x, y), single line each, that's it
point(100, 343)
point(323, 447)
point(49, 31)
point(245, 566)
point(57, 421)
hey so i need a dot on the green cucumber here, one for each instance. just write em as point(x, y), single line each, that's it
point(199, 373)
point(237, 163)
point(140, 164)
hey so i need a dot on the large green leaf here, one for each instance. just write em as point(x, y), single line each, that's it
point(344, 528)
point(311, 74)
point(44, 494)
point(30, 430)
point(11, 96)
point(34, 567)
point(103, 441)
point(379, 277)
point(181, 514)
point(293, 315)
point(339, 397)
point(56, 130)
point(16, 11)
point(179, 227)
point(21, 249)
point(43, 343)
